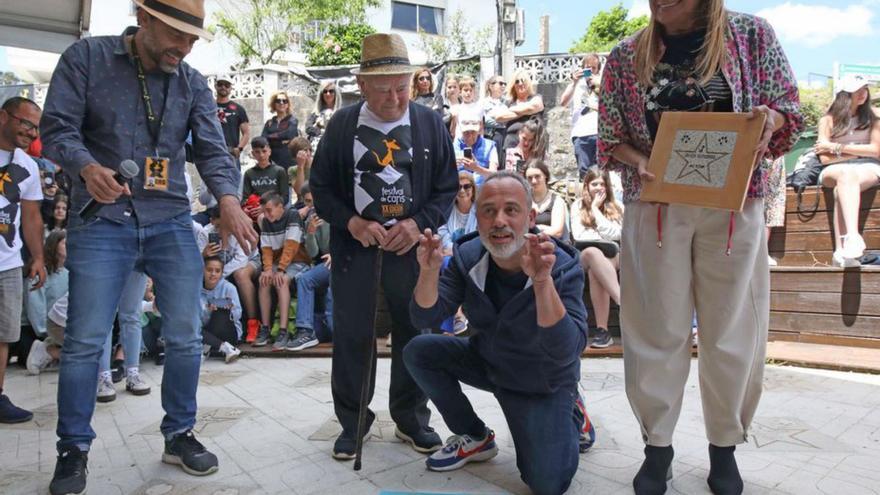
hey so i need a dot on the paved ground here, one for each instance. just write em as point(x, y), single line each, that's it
point(269, 421)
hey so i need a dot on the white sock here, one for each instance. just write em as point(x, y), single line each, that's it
point(106, 375)
point(133, 371)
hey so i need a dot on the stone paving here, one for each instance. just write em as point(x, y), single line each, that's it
point(270, 422)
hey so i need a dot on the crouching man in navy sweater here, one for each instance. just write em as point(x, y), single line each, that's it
point(522, 294)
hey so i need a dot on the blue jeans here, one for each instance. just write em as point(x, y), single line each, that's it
point(101, 256)
point(544, 427)
point(129, 314)
point(307, 283)
point(585, 150)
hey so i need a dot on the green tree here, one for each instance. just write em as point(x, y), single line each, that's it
point(607, 29)
point(8, 79)
point(260, 29)
point(459, 40)
point(815, 102)
point(340, 46)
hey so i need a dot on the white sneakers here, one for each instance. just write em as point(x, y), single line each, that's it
point(230, 352)
point(39, 358)
point(852, 247)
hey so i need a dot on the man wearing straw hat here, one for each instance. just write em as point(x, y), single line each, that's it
point(383, 172)
point(114, 100)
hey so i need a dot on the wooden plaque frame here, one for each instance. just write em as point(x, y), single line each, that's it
point(701, 160)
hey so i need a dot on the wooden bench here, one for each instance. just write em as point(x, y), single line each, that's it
point(810, 301)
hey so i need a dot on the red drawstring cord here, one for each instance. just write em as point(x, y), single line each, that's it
point(731, 226)
point(659, 227)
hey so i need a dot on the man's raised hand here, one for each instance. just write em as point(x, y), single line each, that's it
point(538, 257)
point(430, 252)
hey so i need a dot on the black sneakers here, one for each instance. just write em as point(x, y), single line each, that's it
point(425, 441)
point(184, 450)
point(601, 338)
point(70, 472)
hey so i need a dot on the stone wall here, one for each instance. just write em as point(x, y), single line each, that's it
point(560, 156)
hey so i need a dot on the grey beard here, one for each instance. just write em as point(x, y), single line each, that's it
point(506, 251)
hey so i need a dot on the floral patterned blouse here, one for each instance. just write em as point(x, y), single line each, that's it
point(757, 71)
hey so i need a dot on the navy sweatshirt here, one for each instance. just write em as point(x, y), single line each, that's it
point(520, 356)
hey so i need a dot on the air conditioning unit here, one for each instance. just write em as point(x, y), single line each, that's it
point(520, 36)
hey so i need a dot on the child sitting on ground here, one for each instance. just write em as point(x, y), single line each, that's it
point(220, 312)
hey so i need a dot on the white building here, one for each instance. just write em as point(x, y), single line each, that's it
point(408, 18)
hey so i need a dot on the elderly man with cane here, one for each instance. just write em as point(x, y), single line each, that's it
point(384, 171)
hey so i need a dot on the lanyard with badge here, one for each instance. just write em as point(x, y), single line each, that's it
point(155, 166)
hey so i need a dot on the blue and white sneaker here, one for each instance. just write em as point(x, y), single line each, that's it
point(586, 432)
point(462, 449)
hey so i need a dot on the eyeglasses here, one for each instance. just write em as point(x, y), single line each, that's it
point(280, 101)
point(424, 78)
point(465, 187)
point(329, 91)
point(27, 124)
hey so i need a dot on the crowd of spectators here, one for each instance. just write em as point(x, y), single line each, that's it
point(499, 125)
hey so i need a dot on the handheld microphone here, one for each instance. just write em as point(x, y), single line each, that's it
point(127, 170)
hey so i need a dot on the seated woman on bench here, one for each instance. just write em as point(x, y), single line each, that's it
point(849, 146)
point(596, 221)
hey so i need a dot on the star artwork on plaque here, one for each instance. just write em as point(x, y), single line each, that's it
point(700, 158)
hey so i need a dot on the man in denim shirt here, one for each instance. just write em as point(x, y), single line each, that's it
point(129, 97)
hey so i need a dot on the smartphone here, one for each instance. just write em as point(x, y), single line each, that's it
point(588, 73)
point(214, 238)
point(469, 153)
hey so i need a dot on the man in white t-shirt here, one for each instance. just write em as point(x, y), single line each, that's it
point(583, 102)
point(20, 197)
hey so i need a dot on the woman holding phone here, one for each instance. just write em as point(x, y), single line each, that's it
point(694, 55)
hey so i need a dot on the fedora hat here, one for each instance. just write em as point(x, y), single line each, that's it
point(383, 54)
point(184, 15)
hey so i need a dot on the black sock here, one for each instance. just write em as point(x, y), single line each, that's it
point(652, 476)
point(724, 478)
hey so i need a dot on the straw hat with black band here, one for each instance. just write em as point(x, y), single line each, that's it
point(184, 15)
point(383, 54)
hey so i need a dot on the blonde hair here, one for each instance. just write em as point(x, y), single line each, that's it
point(414, 85)
point(467, 81)
point(712, 54)
point(511, 84)
point(274, 98)
point(319, 101)
point(609, 208)
point(487, 88)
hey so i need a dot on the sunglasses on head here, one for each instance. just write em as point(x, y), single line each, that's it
point(424, 78)
point(519, 81)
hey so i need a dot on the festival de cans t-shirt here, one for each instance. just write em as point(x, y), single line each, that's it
point(19, 180)
point(383, 168)
point(231, 116)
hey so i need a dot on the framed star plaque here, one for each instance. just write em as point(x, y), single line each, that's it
point(703, 159)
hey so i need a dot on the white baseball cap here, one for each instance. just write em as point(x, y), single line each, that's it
point(852, 83)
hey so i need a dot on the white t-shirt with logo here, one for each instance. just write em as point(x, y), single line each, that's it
point(383, 168)
point(19, 180)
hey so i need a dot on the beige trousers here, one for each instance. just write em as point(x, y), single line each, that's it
point(660, 289)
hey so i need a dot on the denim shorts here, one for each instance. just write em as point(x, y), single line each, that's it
point(11, 295)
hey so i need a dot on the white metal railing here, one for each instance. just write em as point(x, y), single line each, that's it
point(553, 68)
